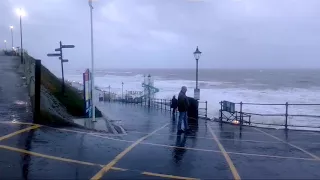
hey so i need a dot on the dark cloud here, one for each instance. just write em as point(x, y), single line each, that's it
point(164, 33)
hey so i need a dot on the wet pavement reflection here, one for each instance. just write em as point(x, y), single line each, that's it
point(70, 153)
point(178, 151)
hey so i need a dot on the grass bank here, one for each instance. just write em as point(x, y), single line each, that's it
point(71, 99)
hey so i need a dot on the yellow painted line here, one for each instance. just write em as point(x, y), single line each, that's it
point(167, 176)
point(18, 132)
point(113, 168)
point(87, 163)
point(297, 147)
point(226, 156)
point(48, 156)
point(105, 136)
point(107, 167)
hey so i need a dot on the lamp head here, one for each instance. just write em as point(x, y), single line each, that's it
point(197, 54)
point(20, 12)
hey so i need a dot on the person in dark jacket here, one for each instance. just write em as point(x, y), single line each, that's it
point(183, 105)
point(174, 105)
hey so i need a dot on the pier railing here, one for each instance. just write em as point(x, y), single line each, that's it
point(164, 104)
point(287, 115)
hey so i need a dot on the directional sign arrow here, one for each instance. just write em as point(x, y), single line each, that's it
point(53, 54)
point(58, 49)
point(65, 60)
point(67, 46)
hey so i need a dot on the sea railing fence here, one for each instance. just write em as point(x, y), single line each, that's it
point(287, 115)
point(162, 104)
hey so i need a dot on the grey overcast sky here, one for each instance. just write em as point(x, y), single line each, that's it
point(164, 33)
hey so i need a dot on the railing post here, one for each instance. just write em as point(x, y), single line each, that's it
point(241, 116)
point(161, 104)
point(286, 123)
point(37, 91)
point(206, 115)
point(220, 112)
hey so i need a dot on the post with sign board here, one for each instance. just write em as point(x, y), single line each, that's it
point(60, 55)
point(87, 94)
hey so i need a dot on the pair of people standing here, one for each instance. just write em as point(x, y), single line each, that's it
point(182, 104)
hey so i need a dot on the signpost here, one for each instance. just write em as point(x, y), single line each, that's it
point(87, 93)
point(60, 55)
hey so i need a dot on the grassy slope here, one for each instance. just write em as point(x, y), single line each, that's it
point(71, 99)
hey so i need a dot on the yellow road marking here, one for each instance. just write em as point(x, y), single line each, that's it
point(226, 156)
point(170, 146)
point(18, 132)
point(87, 163)
point(123, 153)
point(48, 156)
point(297, 147)
point(167, 176)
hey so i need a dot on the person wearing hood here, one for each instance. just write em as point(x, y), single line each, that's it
point(183, 105)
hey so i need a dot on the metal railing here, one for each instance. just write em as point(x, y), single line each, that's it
point(286, 116)
point(162, 104)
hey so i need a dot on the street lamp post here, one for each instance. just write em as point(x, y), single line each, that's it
point(5, 45)
point(197, 55)
point(11, 28)
point(21, 13)
point(92, 63)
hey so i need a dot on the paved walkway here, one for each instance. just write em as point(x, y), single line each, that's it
point(157, 152)
point(13, 92)
point(151, 149)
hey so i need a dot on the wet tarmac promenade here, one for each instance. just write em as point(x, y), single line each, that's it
point(151, 149)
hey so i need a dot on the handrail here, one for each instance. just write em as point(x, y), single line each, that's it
point(285, 114)
point(263, 104)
